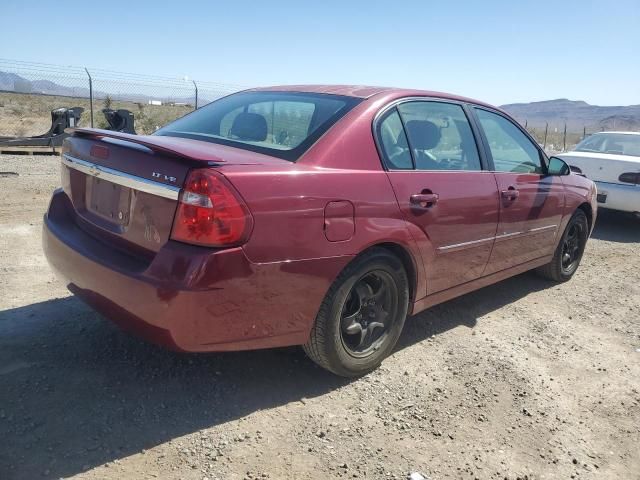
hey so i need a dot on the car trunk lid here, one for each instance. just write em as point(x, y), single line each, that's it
point(125, 188)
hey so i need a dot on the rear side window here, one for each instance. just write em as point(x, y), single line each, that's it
point(282, 124)
point(440, 136)
point(614, 143)
point(394, 142)
point(512, 151)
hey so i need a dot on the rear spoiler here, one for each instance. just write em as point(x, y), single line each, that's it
point(173, 146)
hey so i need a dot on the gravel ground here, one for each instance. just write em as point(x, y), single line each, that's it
point(523, 379)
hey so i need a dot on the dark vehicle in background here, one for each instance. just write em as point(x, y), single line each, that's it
point(312, 215)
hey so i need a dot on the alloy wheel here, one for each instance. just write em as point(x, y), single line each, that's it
point(367, 314)
point(571, 247)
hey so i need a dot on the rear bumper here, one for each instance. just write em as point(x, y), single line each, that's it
point(615, 196)
point(189, 298)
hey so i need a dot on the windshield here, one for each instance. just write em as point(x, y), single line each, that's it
point(615, 143)
point(281, 124)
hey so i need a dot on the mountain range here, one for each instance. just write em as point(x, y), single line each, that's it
point(576, 114)
point(11, 82)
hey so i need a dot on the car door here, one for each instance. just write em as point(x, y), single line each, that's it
point(449, 201)
point(531, 202)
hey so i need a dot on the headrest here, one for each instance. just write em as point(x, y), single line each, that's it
point(249, 126)
point(423, 134)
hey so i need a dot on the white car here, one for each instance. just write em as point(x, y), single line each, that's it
point(612, 161)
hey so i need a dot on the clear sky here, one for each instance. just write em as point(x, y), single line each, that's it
point(497, 51)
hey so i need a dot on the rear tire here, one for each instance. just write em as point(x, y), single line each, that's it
point(362, 315)
point(568, 254)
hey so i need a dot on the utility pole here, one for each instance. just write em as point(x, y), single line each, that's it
point(90, 95)
point(195, 85)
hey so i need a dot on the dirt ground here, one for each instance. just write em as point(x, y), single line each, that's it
point(524, 379)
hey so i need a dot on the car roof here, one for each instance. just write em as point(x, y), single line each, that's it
point(366, 91)
point(618, 132)
point(360, 91)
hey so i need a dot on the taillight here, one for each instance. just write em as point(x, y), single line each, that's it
point(210, 212)
point(630, 177)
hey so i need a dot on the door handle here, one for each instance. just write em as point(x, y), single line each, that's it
point(510, 193)
point(424, 200)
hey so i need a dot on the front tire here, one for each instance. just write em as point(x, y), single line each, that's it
point(362, 315)
point(569, 251)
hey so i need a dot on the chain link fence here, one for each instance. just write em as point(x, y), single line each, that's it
point(558, 139)
point(30, 91)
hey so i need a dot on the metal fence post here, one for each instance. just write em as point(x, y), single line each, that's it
point(546, 130)
point(90, 94)
point(564, 140)
point(195, 85)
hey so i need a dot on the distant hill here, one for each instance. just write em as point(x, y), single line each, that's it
point(576, 114)
point(11, 82)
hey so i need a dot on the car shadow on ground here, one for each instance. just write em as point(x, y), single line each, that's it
point(466, 310)
point(76, 392)
point(615, 226)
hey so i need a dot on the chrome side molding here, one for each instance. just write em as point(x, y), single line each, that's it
point(496, 238)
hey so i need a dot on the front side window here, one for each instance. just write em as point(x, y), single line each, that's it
point(440, 136)
point(512, 151)
point(282, 124)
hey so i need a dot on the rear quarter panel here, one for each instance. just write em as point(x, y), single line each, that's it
point(288, 207)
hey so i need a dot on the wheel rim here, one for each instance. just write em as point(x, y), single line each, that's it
point(571, 247)
point(368, 313)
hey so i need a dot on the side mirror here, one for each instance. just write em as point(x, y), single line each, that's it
point(558, 167)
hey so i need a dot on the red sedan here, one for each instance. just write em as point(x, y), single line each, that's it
point(311, 215)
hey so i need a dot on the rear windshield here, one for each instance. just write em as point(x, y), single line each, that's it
point(282, 124)
point(615, 143)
